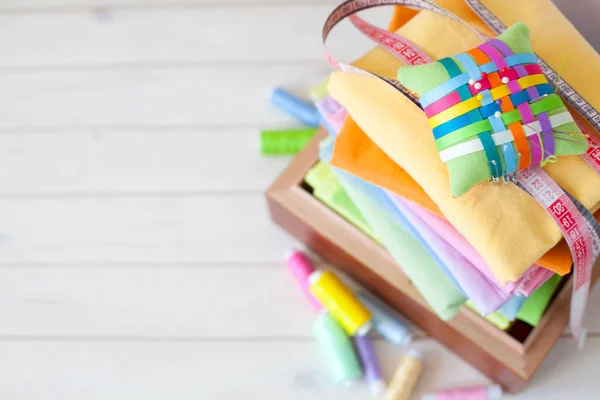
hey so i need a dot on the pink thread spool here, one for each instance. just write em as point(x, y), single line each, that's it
point(470, 393)
point(301, 268)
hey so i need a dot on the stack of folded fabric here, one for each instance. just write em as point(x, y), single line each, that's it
point(490, 246)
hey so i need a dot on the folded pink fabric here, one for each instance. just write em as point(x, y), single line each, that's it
point(529, 283)
point(333, 114)
point(534, 277)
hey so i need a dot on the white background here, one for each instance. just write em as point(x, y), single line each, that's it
point(139, 261)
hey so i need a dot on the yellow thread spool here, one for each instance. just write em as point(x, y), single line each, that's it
point(341, 302)
point(406, 376)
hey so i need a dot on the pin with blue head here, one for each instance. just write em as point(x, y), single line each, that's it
point(299, 109)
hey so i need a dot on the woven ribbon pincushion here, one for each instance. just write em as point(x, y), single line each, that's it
point(492, 111)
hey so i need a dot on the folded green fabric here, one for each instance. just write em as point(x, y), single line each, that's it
point(435, 286)
point(327, 188)
point(496, 318)
point(535, 305)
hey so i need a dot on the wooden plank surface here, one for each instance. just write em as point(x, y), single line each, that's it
point(146, 229)
point(62, 5)
point(135, 161)
point(156, 36)
point(137, 259)
point(226, 370)
point(202, 96)
point(162, 301)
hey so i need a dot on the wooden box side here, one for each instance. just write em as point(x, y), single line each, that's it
point(400, 300)
point(552, 325)
point(492, 351)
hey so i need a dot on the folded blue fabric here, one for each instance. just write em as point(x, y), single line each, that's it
point(511, 308)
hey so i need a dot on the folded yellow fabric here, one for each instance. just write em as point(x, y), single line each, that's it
point(508, 228)
point(401, 16)
point(356, 153)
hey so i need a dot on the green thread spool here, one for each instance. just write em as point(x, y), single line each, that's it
point(338, 349)
point(286, 141)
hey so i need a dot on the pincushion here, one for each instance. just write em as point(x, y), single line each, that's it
point(492, 111)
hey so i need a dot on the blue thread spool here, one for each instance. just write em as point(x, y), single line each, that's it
point(385, 321)
point(299, 109)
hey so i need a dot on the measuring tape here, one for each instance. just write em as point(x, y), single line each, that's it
point(405, 50)
point(570, 95)
point(578, 226)
point(576, 223)
point(580, 230)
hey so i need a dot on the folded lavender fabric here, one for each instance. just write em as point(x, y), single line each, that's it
point(533, 278)
point(484, 294)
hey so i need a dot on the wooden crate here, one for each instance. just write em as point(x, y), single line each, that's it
point(509, 359)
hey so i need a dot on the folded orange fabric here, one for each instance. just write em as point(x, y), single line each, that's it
point(401, 16)
point(356, 153)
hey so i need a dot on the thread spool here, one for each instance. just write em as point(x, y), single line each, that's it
point(338, 350)
point(302, 268)
point(285, 141)
point(370, 366)
point(406, 376)
point(301, 110)
point(385, 320)
point(341, 303)
point(471, 393)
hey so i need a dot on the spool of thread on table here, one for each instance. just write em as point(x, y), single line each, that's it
point(301, 110)
point(370, 366)
point(285, 141)
point(471, 393)
point(302, 268)
point(338, 350)
point(385, 320)
point(406, 376)
point(341, 302)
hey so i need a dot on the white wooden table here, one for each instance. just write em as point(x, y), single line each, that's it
point(139, 261)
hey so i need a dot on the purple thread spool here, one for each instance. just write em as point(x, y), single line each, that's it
point(369, 363)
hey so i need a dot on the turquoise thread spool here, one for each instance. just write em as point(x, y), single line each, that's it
point(338, 350)
point(285, 141)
